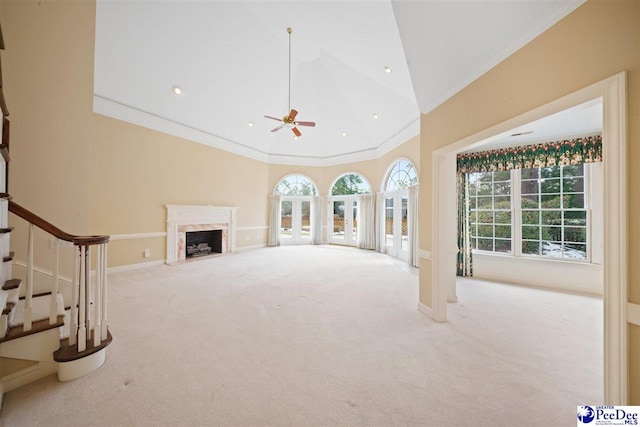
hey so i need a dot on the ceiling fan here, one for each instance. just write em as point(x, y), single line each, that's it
point(289, 120)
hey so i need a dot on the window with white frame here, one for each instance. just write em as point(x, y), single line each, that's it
point(401, 175)
point(295, 185)
point(531, 212)
point(554, 214)
point(490, 211)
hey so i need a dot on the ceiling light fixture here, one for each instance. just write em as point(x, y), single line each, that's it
point(375, 115)
point(176, 89)
point(344, 134)
point(250, 124)
point(387, 70)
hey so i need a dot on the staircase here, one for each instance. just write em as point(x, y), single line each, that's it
point(54, 325)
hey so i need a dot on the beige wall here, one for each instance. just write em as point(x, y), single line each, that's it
point(599, 39)
point(48, 83)
point(137, 171)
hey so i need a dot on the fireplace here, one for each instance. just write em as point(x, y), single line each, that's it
point(201, 243)
point(217, 222)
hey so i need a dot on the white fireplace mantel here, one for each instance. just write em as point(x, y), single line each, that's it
point(181, 218)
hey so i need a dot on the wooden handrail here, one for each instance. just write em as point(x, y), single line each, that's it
point(45, 225)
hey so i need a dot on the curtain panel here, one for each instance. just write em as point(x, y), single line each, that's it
point(316, 223)
point(274, 221)
point(464, 266)
point(412, 226)
point(379, 221)
point(566, 152)
point(367, 221)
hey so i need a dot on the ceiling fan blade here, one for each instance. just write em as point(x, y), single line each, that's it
point(278, 128)
point(312, 124)
point(273, 118)
point(296, 131)
point(293, 114)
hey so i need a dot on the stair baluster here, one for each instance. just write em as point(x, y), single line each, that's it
point(28, 300)
point(97, 308)
point(104, 322)
point(73, 331)
point(82, 327)
point(53, 315)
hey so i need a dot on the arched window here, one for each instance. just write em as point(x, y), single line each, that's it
point(400, 211)
point(401, 175)
point(350, 183)
point(295, 185)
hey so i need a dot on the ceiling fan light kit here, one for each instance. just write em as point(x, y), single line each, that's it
point(289, 120)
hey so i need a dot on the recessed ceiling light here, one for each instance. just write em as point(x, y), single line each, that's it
point(375, 115)
point(387, 70)
point(344, 134)
point(177, 90)
point(250, 124)
point(295, 138)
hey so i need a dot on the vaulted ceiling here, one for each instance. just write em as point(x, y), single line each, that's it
point(362, 70)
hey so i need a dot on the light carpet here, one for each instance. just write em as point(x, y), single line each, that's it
point(325, 336)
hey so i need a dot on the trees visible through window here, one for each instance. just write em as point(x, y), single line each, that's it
point(350, 183)
point(490, 211)
point(295, 185)
point(551, 210)
point(554, 218)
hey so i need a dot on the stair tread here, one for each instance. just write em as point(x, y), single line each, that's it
point(38, 326)
point(12, 284)
point(40, 310)
point(8, 257)
point(13, 295)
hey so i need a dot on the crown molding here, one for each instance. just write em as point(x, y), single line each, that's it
point(119, 111)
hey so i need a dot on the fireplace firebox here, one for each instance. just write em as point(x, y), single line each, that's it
point(203, 242)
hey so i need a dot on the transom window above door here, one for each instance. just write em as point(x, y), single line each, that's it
point(350, 183)
point(401, 175)
point(296, 185)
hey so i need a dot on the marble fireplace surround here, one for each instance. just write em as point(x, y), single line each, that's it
point(184, 218)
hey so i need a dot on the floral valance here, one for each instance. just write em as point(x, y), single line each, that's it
point(575, 151)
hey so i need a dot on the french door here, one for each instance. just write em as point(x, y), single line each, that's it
point(295, 220)
point(396, 230)
point(343, 220)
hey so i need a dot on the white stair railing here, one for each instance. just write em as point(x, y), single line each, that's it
point(88, 326)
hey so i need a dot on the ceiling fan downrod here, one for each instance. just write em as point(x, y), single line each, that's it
point(289, 30)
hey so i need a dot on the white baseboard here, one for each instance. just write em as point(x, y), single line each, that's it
point(248, 248)
point(28, 375)
point(425, 310)
point(136, 266)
